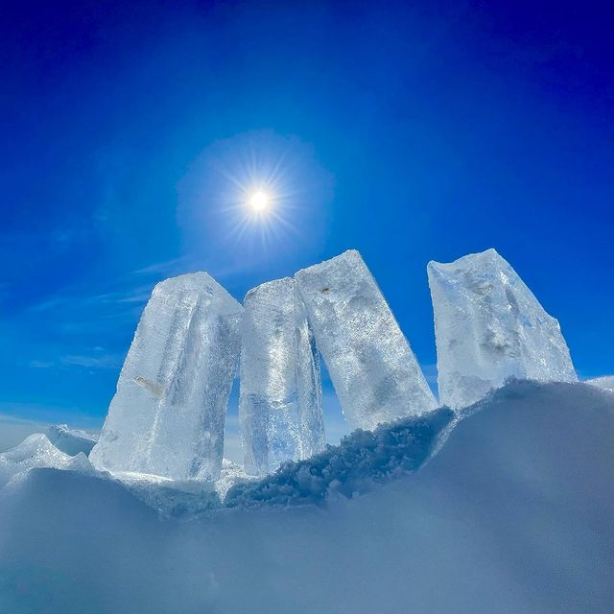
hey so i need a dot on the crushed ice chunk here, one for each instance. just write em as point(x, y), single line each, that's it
point(70, 441)
point(35, 451)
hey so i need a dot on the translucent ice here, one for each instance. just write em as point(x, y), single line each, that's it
point(167, 417)
point(374, 371)
point(280, 407)
point(35, 451)
point(70, 441)
point(489, 326)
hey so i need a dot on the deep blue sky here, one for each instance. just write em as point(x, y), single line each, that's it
point(410, 131)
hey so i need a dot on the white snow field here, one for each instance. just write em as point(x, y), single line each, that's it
point(167, 417)
point(490, 327)
point(375, 373)
point(280, 406)
point(512, 515)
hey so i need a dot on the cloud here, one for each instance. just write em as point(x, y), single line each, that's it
point(103, 361)
point(41, 364)
point(164, 267)
point(98, 360)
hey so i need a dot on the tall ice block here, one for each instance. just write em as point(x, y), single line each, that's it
point(167, 417)
point(280, 406)
point(489, 326)
point(374, 371)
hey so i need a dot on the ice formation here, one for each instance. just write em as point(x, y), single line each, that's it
point(70, 441)
point(35, 451)
point(489, 327)
point(167, 417)
point(280, 407)
point(605, 383)
point(374, 371)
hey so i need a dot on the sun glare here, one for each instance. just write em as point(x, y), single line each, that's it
point(259, 201)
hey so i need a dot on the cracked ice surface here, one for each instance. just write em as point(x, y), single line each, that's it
point(374, 371)
point(489, 326)
point(280, 407)
point(167, 417)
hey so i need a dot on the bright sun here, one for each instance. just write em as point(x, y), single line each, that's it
point(259, 201)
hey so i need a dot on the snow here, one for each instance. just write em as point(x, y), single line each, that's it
point(167, 417)
point(375, 373)
point(513, 514)
point(490, 327)
point(606, 383)
point(362, 460)
point(280, 407)
point(70, 441)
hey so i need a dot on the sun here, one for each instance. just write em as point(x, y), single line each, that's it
point(259, 201)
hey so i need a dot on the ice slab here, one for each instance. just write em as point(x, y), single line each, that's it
point(489, 327)
point(70, 441)
point(606, 383)
point(374, 371)
point(167, 417)
point(280, 406)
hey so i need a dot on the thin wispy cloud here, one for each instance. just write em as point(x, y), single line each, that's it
point(98, 359)
point(41, 364)
point(104, 361)
point(164, 267)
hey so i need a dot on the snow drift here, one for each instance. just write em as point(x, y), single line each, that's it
point(513, 514)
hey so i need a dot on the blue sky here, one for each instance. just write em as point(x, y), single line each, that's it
point(410, 131)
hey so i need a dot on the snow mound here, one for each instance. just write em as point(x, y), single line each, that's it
point(361, 460)
point(512, 514)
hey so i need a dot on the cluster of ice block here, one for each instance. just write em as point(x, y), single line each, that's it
point(280, 406)
point(167, 417)
point(490, 327)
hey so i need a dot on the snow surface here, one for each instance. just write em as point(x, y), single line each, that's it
point(489, 327)
point(167, 417)
point(280, 406)
point(375, 373)
point(606, 383)
point(513, 514)
point(362, 460)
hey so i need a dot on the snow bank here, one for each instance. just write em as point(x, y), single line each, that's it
point(513, 514)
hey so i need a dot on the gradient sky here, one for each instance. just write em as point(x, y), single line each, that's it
point(411, 131)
